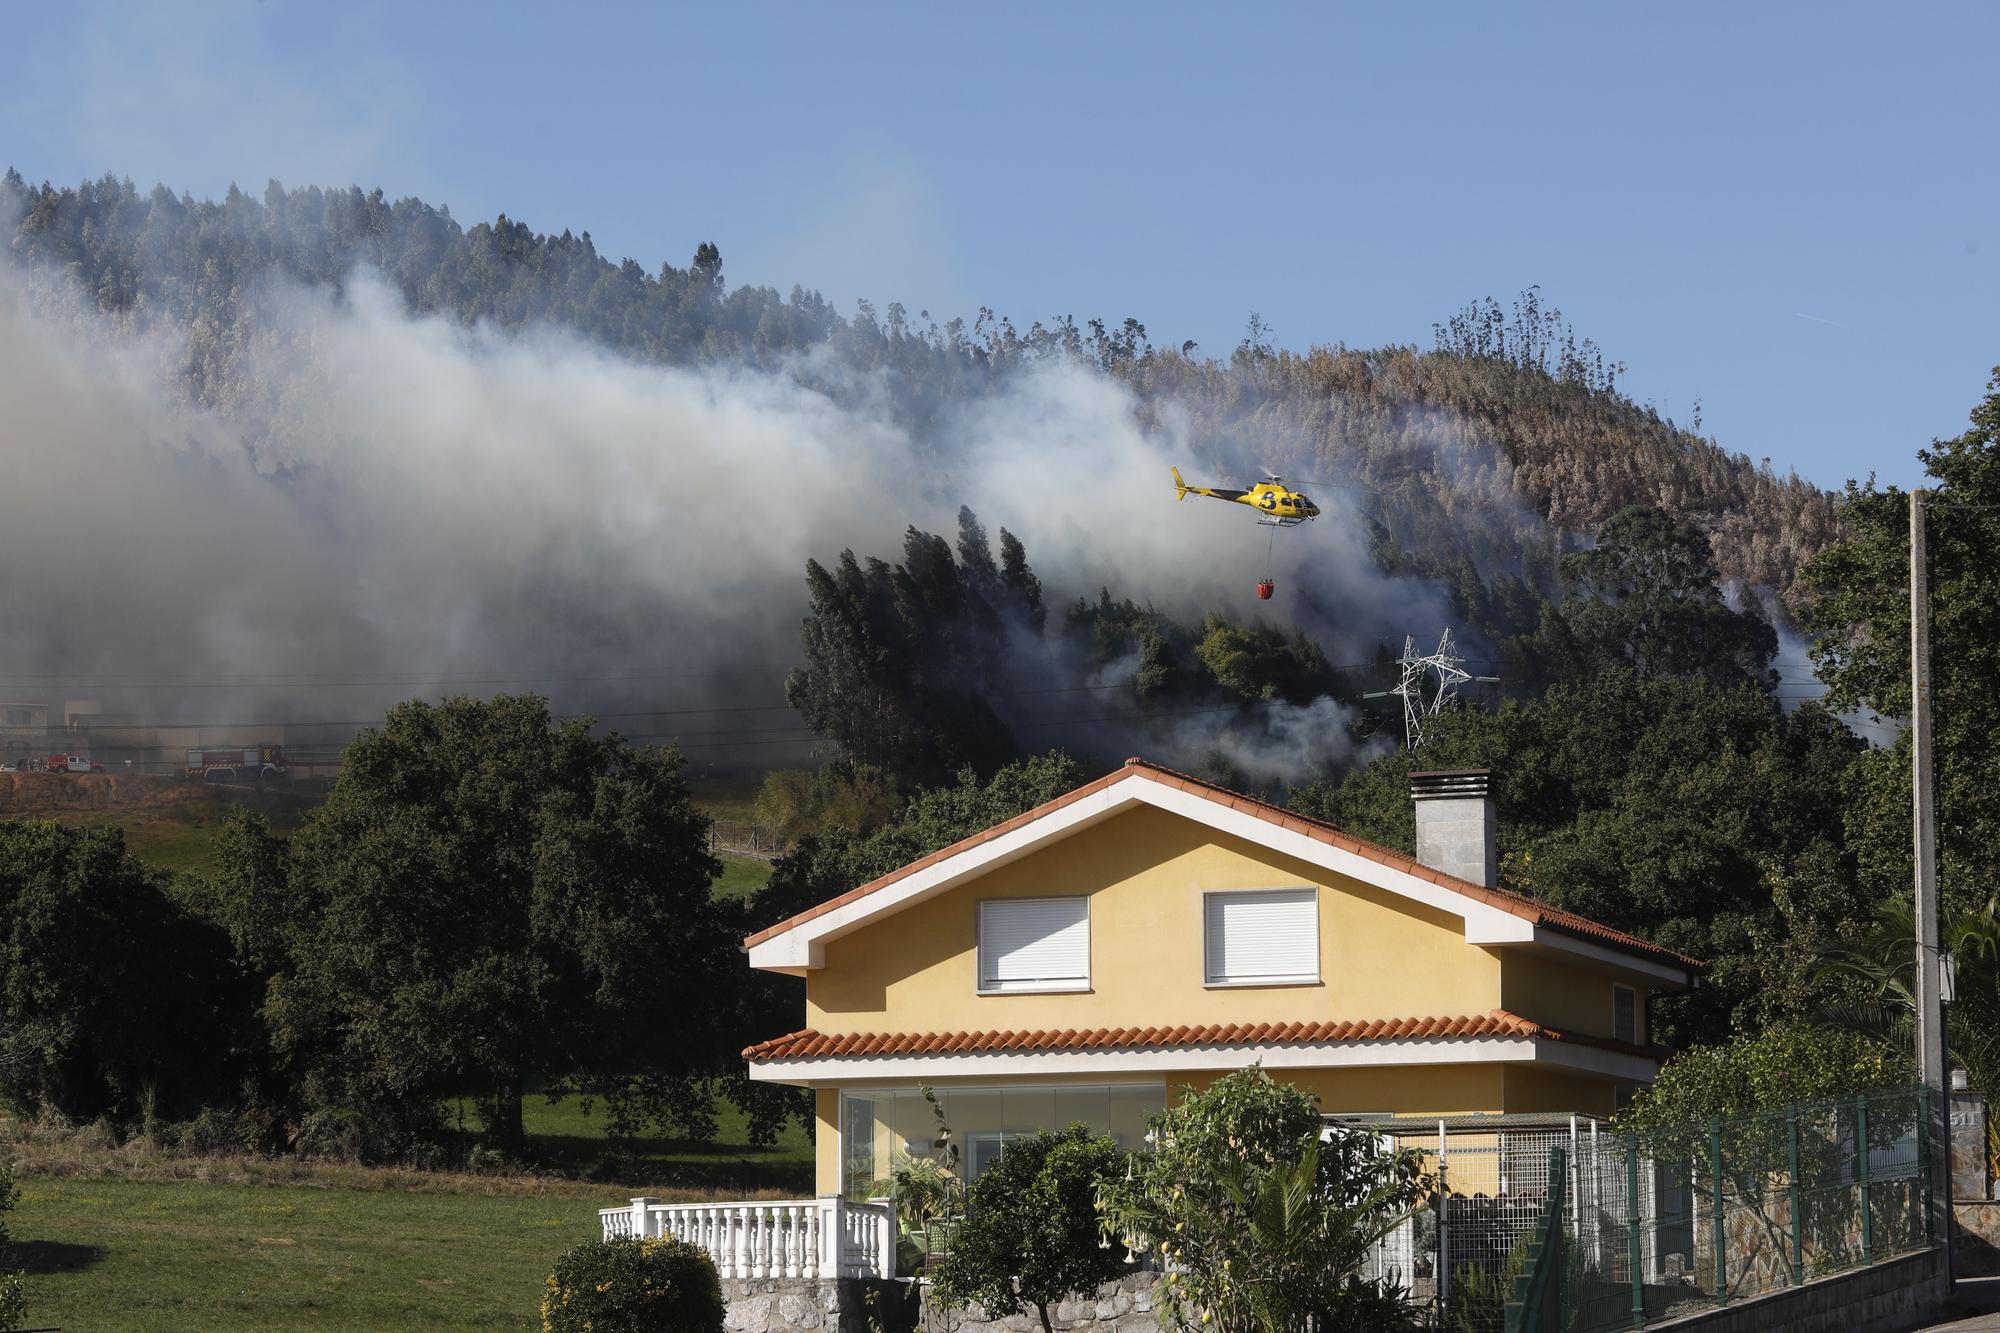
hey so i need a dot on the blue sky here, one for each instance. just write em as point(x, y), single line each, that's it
point(1784, 211)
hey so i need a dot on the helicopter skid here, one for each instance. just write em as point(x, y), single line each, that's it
point(1280, 522)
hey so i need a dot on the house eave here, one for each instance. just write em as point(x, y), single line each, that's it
point(1570, 1056)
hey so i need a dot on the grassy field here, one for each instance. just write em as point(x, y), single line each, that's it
point(179, 833)
point(174, 828)
point(112, 1239)
point(121, 1254)
point(117, 1240)
point(741, 876)
point(566, 1137)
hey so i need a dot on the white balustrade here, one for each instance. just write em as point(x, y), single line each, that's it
point(795, 1238)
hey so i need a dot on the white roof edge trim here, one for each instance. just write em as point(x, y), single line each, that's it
point(1617, 958)
point(1485, 923)
point(800, 947)
point(847, 1069)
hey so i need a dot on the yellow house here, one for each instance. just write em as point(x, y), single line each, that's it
point(1148, 931)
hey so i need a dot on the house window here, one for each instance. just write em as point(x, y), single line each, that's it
point(1261, 937)
point(1034, 944)
point(1624, 1013)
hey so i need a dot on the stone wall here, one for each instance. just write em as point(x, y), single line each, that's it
point(1888, 1297)
point(779, 1305)
point(846, 1305)
point(1976, 1248)
point(1970, 1174)
point(1123, 1306)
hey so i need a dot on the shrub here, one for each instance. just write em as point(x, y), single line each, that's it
point(1267, 1226)
point(1031, 1235)
point(13, 1289)
point(1764, 1072)
point(633, 1286)
point(214, 1132)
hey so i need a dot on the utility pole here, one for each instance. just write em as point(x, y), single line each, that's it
point(1930, 1010)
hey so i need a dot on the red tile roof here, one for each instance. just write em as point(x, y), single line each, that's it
point(1527, 908)
point(808, 1044)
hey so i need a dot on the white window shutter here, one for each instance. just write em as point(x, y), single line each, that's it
point(1029, 944)
point(1262, 935)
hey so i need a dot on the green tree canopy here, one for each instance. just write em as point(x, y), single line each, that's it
point(1646, 596)
point(1031, 1234)
point(488, 898)
point(1860, 618)
point(110, 990)
point(1267, 1226)
point(1704, 818)
point(838, 858)
point(900, 659)
point(1783, 1065)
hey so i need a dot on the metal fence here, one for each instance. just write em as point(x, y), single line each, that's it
point(1697, 1215)
point(1681, 1220)
point(1460, 1254)
point(1538, 1296)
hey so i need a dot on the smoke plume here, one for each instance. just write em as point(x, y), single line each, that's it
point(391, 506)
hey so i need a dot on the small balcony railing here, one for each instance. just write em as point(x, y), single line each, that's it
point(796, 1238)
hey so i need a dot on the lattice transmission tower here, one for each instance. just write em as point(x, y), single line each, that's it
point(1430, 681)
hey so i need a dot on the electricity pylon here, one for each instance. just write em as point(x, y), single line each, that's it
point(1430, 681)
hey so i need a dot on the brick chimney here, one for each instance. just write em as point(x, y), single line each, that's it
point(1456, 829)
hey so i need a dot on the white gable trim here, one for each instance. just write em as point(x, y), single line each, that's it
point(828, 1071)
point(802, 947)
point(1613, 959)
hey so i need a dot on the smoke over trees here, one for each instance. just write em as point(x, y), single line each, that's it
point(1472, 463)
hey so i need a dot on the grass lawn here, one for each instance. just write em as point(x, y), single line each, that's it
point(115, 1243)
point(182, 836)
point(563, 1135)
point(741, 876)
point(120, 1254)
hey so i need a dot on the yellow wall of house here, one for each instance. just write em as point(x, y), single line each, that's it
point(1145, 870)
point(1528, 1088)
point(1402, 1089)
point(1381, 955)
point(1564, 997)
point(1411, 1090)
point(826, 1141)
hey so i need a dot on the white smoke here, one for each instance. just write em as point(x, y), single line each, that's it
point(396, 505)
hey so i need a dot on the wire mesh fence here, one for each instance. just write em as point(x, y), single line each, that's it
point(1698, 1215)
point(1461, 1253)
point(1538, 1298)
point(1681, 1220)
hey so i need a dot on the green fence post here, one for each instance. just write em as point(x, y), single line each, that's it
point(1632, 1244)
point(1715, 1182)
point(1867, 1204)
point(1798, 1200)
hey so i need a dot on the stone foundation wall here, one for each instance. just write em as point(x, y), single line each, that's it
point(1123, 1306)
point(1887, 1297)
point(1976, 1252)
point(780, 1305)
point(845, 1305)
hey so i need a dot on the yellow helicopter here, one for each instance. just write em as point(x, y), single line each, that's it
point(1277, 504)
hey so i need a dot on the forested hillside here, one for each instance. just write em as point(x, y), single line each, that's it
point(1486, 452)
point(739, 506)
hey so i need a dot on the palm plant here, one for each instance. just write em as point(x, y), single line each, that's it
point(1880, 969)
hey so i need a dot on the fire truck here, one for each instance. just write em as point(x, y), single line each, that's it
point(254, 763)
